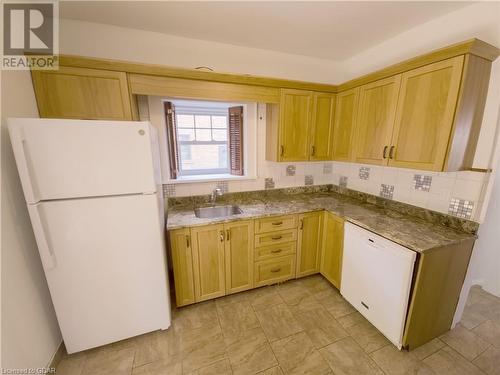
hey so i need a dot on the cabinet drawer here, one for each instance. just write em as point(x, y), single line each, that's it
point(275, 237)
point(274, 270)
point(275, 251)
point(272, 224)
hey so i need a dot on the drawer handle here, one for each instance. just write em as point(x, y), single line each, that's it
point(276, 251)
point(277, 237)
point(278, 223)
point(274, 270)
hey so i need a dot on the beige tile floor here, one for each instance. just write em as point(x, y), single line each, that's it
point(299, 327)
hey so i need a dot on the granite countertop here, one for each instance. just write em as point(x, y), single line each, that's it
point(406, 230)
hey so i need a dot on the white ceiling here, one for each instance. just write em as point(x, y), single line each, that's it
point(330, 30)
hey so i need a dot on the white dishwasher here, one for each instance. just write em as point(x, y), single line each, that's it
point(376, 279)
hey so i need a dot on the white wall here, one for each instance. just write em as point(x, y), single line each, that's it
point(485, 263)
point(105, 41)
point(30, 334)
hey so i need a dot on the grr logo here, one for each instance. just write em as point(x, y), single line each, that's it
point(30, 34)
point(28, 28)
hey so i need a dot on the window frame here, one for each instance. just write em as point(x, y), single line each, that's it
point(202, 111)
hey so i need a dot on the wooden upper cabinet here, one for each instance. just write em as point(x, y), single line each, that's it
point(332, 249)
point(208, 261)
point(321, 134)
point(309, 243)
point(376, 113)
point(239, 254)
point(424, 119)
point(345, 124)
point(295, 120)
point(80, 93)
point(182, 262)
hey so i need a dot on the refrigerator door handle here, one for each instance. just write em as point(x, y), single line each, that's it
point(22, 155)
point(42, 239)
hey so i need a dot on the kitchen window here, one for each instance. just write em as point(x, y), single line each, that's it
point(204, 138)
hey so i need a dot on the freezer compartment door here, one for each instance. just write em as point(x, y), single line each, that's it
point(105, 265)
point(376, 279)
point(59, 159)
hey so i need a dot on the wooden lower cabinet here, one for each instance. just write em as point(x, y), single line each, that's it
point(275, 270)
point(182, 261)
point(309, 243)
point(332, 249)
point(208, 261)
point(239, 255)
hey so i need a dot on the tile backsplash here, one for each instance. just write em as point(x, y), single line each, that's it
point(437, 191)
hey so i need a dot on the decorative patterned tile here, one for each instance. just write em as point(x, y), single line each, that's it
point(223, 186)
point(169, 190)
point(308, 179)
point(269, 183)
point(461, 208)
point(290, 170)
point(364, 173)
point(343, 181)
point(422, 182)
point(386, 191)
point(327, 168)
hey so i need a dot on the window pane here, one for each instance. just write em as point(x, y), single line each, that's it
point(185, 121)
point(219, 134)
point(203, 157)
point(202, 121)
point(219, 122)
point(185, 134)
point(203, 135)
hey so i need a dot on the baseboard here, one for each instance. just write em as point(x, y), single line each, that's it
point(58, 356)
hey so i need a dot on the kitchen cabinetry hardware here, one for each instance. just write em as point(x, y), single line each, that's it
point(391, 152)
point(276, 251)
point(384, 154)
point(221, 235)
point(276, 223)
point(187, 240)
point(276, 238)
point(313, 150)
point(274, 270)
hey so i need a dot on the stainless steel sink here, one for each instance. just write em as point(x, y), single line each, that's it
point(217, 211)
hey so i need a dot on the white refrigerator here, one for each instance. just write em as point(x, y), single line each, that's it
point(94, 196)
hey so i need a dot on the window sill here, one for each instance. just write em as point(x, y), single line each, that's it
point(208, 178)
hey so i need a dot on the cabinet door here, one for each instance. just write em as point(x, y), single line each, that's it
point(333, 243)
point(239, 254)
point(425, 114)
point(376, 113)
point(295, 108)
point(345, 124)
point(321, 136)
point(309, 243)
point(208, 261)
point(80, 93)
point(182, 261)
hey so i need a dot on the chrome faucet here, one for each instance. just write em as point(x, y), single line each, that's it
point(216, 193)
